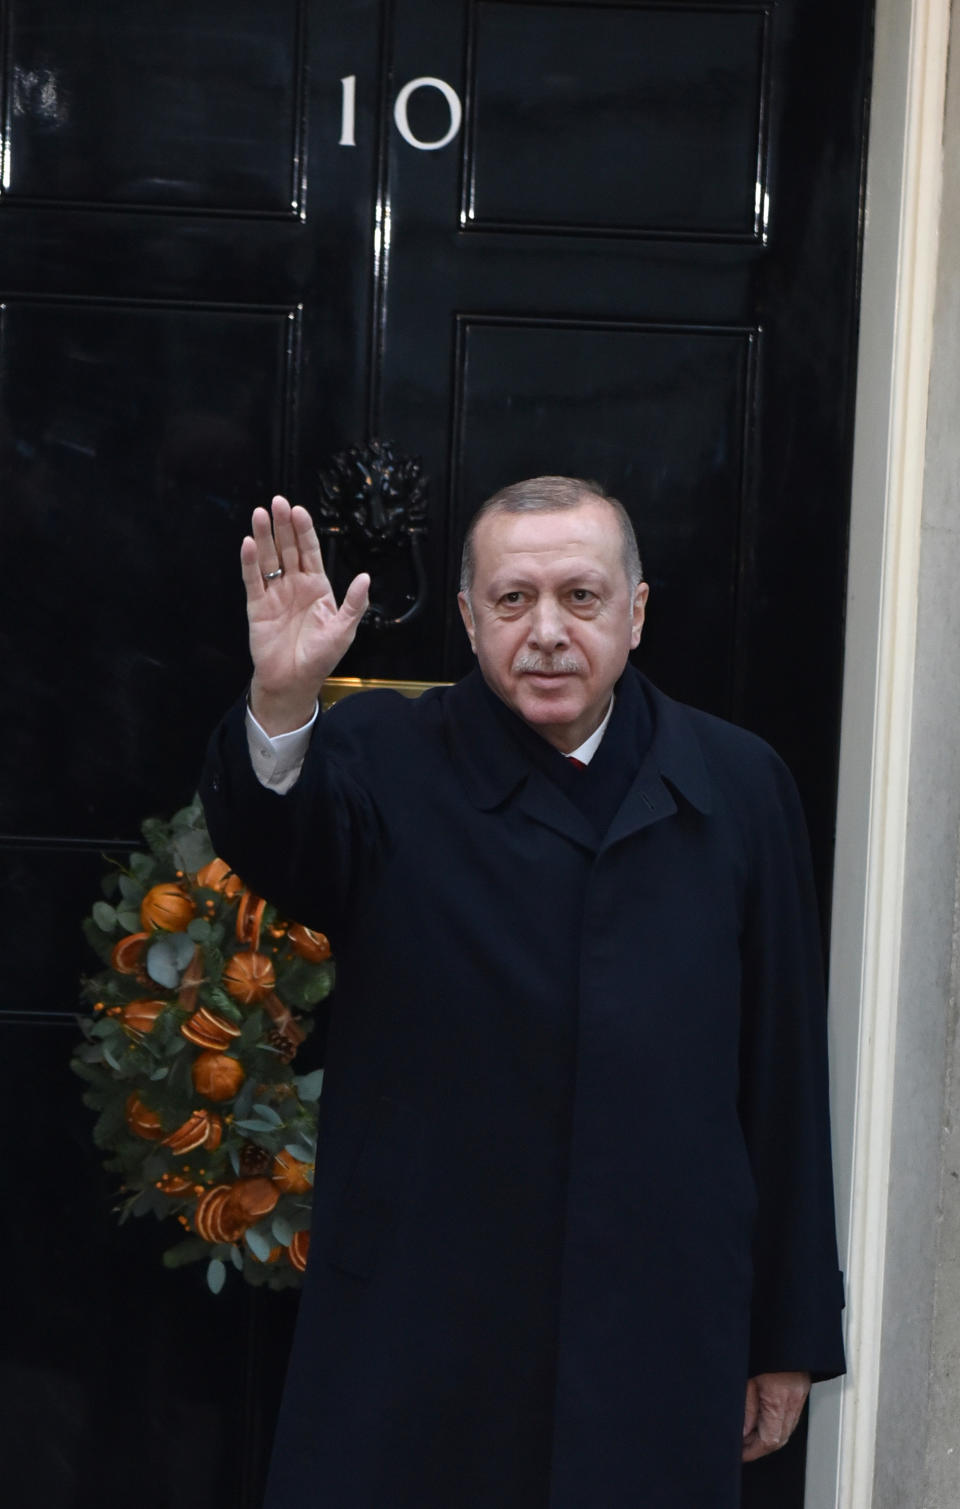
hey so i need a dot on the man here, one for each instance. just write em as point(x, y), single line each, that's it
point(573, 1241)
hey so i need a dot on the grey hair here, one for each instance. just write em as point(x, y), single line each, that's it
point(551, 495)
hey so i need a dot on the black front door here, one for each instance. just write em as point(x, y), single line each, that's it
point(610, 239)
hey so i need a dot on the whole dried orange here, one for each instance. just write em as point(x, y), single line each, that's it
point(217, 1076)
point(253, 1198)
point(249, 977)
point(166, 907)
point(290, 1175)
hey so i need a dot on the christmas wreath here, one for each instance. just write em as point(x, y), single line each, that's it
point(191, 1037)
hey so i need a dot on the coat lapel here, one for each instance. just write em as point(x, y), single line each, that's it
point(494, 768)
point(673, 766)
point(542, 800)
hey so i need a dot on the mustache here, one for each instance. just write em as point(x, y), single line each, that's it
point(547, 665)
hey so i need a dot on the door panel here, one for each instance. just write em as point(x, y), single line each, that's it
point(199, 115)
point(665, 409)
point(635, 259)
point(615, 119)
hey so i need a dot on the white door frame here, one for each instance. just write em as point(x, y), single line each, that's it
point(896, 328)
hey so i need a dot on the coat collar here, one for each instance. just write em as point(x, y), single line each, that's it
point(492, 765)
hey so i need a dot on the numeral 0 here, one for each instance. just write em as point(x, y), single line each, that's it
point(348, 112)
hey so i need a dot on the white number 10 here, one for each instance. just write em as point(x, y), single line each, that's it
point(348, 112)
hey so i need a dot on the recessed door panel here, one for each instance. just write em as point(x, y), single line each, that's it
point(616, 118)
point(163, 107)
point(661, 414)
point(140, 435)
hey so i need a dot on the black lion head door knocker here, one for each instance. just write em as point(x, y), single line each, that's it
point(373, 506)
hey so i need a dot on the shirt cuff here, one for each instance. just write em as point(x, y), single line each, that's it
point(277, 761)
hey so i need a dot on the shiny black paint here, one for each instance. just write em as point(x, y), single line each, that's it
point(203, 299)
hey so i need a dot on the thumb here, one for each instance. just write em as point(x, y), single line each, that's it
point(751, 1409)
point(356, 598)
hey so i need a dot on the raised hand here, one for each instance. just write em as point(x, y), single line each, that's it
point(297, 633)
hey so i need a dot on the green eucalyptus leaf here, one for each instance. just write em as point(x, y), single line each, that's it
point(302, 1150)
point(168, 957)
point(111, 1056)
point(104, 916)
point(251, 1034)
point(310, 1085)
point(141, 866)
point(267, 1113)
point(182, 947)
point(161, 966)
point(99, 941)
point(187, 1251)
point(259, 1245)
point(129, 920)
point(236, 1257)
point(156, 834)
point(216, 1275)
point(90, 1053)
point(244, 1101)
point(131, 890)
point(192, 850)
point(199, 930)
point(283, 1231)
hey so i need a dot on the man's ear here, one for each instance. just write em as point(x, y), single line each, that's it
point(639, 613)
point(466, 613)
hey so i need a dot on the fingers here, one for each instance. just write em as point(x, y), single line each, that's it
point(286, 538)
point(356, 599)
point(311, 558)
point(775, 1409)
point(751, 1409)
point(263, 540)
point(251, 571)
point(284, 535)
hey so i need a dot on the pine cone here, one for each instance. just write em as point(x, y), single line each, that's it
point(254, 1160)
point(285, 1046)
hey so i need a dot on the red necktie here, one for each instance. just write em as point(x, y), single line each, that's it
point(577, 764)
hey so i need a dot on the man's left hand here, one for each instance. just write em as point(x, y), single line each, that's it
point(774, 1403)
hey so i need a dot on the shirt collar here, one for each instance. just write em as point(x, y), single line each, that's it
point(586, 751)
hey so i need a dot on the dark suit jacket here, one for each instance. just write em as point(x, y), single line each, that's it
point(574, 1179)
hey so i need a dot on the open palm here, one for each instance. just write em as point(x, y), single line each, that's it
point(298, 634)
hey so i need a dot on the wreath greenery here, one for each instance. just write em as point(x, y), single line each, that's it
point(193, 1029)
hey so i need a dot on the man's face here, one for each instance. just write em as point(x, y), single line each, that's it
point(551, 617)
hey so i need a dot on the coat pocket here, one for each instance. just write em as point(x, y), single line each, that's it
point(376, 1188)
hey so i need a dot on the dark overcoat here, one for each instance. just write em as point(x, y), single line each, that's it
point(573, 1184)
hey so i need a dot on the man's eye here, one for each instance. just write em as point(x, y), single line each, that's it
point(512, 598)
point(582, 595)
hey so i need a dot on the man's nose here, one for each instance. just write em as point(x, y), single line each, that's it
point(548, 630)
